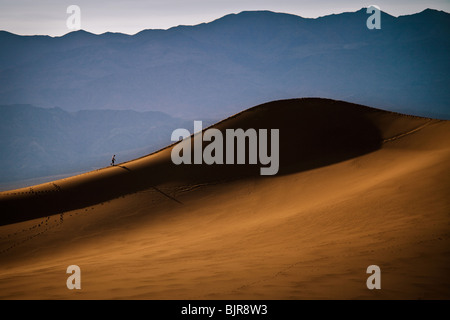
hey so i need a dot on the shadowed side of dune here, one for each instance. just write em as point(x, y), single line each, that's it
point(313, 133)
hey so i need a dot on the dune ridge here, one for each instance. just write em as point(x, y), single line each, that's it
point(357, 186)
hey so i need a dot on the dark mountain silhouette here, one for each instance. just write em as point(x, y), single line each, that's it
point(216, 69)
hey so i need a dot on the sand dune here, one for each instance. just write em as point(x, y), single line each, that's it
point(357, 186)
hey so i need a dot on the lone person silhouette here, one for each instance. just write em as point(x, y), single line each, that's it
point(113, 160)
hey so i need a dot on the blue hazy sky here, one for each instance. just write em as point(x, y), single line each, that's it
point(29, 17)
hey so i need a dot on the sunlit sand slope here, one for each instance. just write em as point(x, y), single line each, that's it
point(356, 187)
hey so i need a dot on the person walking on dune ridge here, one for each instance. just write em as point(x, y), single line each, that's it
point(113, 160)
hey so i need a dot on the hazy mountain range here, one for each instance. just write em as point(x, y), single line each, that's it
point(207, 71)
point(39, 142)
point(219, 68)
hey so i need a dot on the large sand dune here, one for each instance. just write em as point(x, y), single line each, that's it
point(357, 186)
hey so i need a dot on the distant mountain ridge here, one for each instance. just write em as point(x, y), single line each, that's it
point(38, 142)
point(219, 68)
